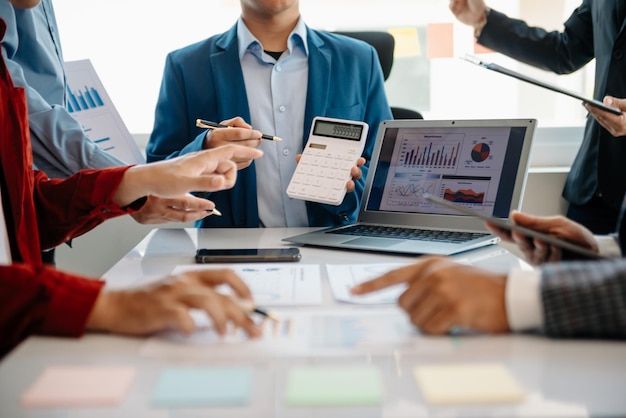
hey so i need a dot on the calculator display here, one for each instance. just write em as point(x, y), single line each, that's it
point(338, 130)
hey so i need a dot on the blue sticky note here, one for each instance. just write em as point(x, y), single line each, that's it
point(334, 386)
point(215, 386)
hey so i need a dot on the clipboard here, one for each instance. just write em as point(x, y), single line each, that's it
point(570, 249)
point(522, 77)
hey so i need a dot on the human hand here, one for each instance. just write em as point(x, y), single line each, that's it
point(165, 305)
point(443, 294)
point(24, 4)
point(239, 132)
point(537, 251)
point(187, 208)
point(356, 174)
point(469, 12)
point(615, 124)
point(202, 171)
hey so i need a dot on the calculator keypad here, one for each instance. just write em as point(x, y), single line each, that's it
point(321, 176)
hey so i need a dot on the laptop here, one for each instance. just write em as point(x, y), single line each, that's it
point(481, 164)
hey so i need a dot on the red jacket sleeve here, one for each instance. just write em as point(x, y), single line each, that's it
point(42, 300)
point(69, 208)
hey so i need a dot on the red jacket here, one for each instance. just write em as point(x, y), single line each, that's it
point(40, 214)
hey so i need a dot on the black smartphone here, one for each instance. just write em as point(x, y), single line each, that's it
point(571, 250)
point(247, 255)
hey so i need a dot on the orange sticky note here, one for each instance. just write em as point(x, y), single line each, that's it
point(79, 386)
point(439, 37)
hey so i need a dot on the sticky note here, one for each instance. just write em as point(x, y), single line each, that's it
point(338, 386)
point(468, 383)
point(407, 42)
point(440, 40)
point(79, 386)
point(215, 386)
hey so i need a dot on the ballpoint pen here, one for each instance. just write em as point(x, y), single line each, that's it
point(201, 123)
point(215, 212)
point(251, 308)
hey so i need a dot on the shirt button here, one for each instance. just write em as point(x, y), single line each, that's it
point(282, 108)
point(278, 68)
point(285, 152)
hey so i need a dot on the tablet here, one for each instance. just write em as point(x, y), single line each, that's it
point(570, 250)
point(519, 76)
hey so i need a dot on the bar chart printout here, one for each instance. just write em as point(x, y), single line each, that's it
point(87, 98)
point(89, 103)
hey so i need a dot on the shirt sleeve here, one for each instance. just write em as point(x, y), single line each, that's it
point(43, 300)
point(523, 300)
point(69, 208)
point(60, 147)
point(608, 245)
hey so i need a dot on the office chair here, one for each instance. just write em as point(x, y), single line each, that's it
point(384, 44)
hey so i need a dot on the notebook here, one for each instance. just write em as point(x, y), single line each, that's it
point(479, 163)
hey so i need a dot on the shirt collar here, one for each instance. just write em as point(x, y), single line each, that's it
point(248, 42)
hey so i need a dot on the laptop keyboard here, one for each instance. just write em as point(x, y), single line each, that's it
point(409, 233)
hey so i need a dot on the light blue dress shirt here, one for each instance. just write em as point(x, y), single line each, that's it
point(276, 91)
point(32, 51)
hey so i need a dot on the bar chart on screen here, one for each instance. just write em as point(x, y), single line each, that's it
point(89, 103)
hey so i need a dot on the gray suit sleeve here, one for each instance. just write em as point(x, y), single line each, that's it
point(60, 147)
point(585, 299)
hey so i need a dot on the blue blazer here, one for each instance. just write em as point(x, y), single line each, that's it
point(205, 80)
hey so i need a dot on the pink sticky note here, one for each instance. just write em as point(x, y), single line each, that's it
point(440, 40)
point(79, 386)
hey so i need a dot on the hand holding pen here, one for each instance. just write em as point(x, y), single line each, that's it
point(239, 132)
point(202, 123)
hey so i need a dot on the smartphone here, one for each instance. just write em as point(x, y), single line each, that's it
point(247, 255)
point(570, 250)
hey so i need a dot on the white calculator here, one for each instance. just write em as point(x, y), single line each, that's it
point(333, 148)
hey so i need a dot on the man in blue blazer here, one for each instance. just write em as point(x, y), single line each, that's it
point(276, 74)
point(596, 30)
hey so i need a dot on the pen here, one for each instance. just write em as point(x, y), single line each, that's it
point(215, 212)
point(201, 123)
point(266, 314)
point(250, 308)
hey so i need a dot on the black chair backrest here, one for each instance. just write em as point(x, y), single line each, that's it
point(384, 44)
point(405, 113)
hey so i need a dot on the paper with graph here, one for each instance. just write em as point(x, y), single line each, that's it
point(89, 103)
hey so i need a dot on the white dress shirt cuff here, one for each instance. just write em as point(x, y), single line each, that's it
point(608, 245)
point(523, 300)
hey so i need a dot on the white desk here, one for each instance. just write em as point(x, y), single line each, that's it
point(561, 378)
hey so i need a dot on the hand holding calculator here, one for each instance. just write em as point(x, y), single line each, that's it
point(333, 148)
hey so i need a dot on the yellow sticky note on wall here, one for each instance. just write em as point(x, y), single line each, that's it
point(468, 384)
point(407, 42)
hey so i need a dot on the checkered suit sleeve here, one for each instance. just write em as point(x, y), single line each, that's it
point(585, 299)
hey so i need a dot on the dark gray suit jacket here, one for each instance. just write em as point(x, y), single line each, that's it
point(587, 298)
point(592, 31)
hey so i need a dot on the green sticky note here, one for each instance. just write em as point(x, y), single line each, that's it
point(227, 386)
point(336, 386)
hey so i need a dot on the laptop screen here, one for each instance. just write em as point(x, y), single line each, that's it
point(480, 164)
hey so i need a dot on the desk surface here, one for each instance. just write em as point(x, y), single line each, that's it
point(560, 377)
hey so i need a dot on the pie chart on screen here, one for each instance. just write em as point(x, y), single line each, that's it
point(480, 152)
